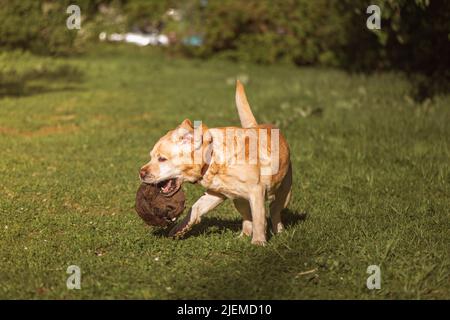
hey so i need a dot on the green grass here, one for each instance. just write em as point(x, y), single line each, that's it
point(371, 182)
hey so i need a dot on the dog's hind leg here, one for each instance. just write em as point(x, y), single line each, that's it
point(256, 199)
point(282, 197)
point(243, 206)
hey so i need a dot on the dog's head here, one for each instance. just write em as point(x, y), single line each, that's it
point(173, 158)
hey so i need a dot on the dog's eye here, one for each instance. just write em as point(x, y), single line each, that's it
point(161, 159)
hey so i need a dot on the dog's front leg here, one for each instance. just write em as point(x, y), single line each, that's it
point(258, 215)
point(204, 204)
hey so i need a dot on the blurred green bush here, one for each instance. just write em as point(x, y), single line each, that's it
point(414, 35)
point(38, 26)
point(264, 31)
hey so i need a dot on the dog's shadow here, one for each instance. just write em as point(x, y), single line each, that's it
point(215, 225)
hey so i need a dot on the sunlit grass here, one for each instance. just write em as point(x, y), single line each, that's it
point(371, 170)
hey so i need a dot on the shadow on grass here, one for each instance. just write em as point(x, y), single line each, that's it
point(30, 90)
point(15, 84)
point(292, 218)
point(208, 225)
point(251, 273)
point(214, 225)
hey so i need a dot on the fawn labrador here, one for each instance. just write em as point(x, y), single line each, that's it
point(248, 164)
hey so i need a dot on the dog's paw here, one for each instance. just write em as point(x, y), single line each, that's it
point(261, 243)
point(179, 230)
point(245, 234)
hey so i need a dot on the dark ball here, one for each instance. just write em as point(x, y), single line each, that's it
point(156, 208)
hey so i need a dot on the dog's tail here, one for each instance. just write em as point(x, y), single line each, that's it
point(245, 113)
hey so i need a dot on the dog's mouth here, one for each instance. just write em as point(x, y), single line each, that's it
point(169, 187)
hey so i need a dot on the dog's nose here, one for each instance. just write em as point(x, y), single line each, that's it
point(142, 173)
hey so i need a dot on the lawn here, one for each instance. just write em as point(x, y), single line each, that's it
point(371, 181)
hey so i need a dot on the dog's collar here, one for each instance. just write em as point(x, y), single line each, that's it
point(206, 165)
point(205, 168)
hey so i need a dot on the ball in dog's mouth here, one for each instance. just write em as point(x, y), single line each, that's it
point(160, 204)
point(169, 187)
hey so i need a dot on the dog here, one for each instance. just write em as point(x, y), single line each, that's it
point(223, 161)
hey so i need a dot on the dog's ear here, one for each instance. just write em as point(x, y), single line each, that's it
point(187, 137)
point(187, 124)
point(185, 132)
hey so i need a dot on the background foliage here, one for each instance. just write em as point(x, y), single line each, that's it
point(415, 35)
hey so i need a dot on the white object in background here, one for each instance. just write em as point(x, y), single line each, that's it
point(116, 37)
point(163, 40)
point(102, 36)
point(141, 39)
point(136, 38)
